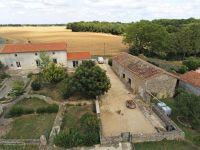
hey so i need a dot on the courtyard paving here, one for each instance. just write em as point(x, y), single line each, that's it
point(115, 116)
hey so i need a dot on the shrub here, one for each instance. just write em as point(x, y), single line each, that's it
point(69, 139)
point(110, 62)
point(17, 88)
point(183, 69)
point(41, 110)
point(36, 85)
point(30, 75)
point(48, 109)
point(197, 140)
point(192, 63)
point(19, 111)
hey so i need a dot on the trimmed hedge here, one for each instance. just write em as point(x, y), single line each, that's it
point(53, 108)
point(17, 111)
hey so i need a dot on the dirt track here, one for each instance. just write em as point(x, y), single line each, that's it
point(129, 120)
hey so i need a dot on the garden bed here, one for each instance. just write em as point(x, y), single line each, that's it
point(31, 126)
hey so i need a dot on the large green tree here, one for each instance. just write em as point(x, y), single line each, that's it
point(54, 73)
point(147, 37)
point(91, 80)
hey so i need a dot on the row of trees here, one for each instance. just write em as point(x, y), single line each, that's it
point(95, 26)
point(154, 38)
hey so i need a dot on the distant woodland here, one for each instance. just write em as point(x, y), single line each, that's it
point(163, 38)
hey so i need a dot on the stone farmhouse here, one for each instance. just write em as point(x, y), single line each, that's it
point(26, 57)
point(144, 78)
point(190, 81)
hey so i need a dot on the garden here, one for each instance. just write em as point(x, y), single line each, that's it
point(185, 106)
point(32, 117)
point(80, 127)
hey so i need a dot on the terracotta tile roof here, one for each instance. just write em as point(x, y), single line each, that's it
point(78, 55)
point(31, 47)
point(191, 77)
point(139, 67)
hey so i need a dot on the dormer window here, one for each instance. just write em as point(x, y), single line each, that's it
point(15, 55)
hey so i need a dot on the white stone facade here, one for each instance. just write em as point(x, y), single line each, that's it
point(29, 60)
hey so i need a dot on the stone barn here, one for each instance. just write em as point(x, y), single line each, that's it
point(144, 78)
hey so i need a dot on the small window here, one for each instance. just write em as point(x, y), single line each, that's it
point(11, 65)
point(36, 54)
point(129, 81)
point(75, 64)
point(15, 55)
point(55, 61)
point(18, 64)
point(53, 53)
point(124, 76)
point(37, 63)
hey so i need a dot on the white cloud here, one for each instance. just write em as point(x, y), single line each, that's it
point(61, 11)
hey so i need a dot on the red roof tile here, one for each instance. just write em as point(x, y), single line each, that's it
point(78, 55)
point(192, 78)
point(31, 47)
point(139, 67)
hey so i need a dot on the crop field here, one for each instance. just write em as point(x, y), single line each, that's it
point(96, 43)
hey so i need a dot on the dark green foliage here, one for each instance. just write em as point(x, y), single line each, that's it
point(36, 85)
point(110, 61)
point(183, 69)
point(69, 139)
point(53, 108)
point(95, 26)
point(86, 135)
point(1, 65)
point(91, 80)
point(169, 39)
point(192, 63)
point(197, 140)
point(188, 105)
point(18, 111)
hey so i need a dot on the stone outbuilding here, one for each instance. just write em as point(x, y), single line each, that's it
point(190, 81)
point(144, 78)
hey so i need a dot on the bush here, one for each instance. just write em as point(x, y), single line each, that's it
point(183, 69)
point(69, 139)
point(17, 111)
point(30, 75)
point(17, 88)
point(36, 85)
point(110, 62)
point(48, 109)
point(197, 140)
point(192, 63)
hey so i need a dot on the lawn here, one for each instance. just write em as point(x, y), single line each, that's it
point(19, 147)
point(31, 126)
point(73, 114)
point(165, 145)
point(31, 103)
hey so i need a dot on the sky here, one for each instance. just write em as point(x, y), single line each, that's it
point(64, 11)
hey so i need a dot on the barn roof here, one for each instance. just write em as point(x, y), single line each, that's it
point(78, 55)
point(139, 67)
point(33, 47)
point(191, 77)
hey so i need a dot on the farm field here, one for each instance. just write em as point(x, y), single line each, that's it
point(96, 43)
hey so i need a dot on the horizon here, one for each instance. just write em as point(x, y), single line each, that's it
point(65, 11)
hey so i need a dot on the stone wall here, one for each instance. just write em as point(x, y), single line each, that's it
point(19, 141)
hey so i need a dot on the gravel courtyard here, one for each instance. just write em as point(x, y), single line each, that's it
point(115, 116)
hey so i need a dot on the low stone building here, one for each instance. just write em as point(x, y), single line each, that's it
point(190, 81)
point(144, 78)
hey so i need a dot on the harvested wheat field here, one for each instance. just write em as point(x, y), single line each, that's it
point(96, 43)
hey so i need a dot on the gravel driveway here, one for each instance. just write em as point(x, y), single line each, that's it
point(115, 116)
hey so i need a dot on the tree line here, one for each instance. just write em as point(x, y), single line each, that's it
point(164, 38)
point(116, 28)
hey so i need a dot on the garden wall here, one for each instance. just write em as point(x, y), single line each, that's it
point(19, 141)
